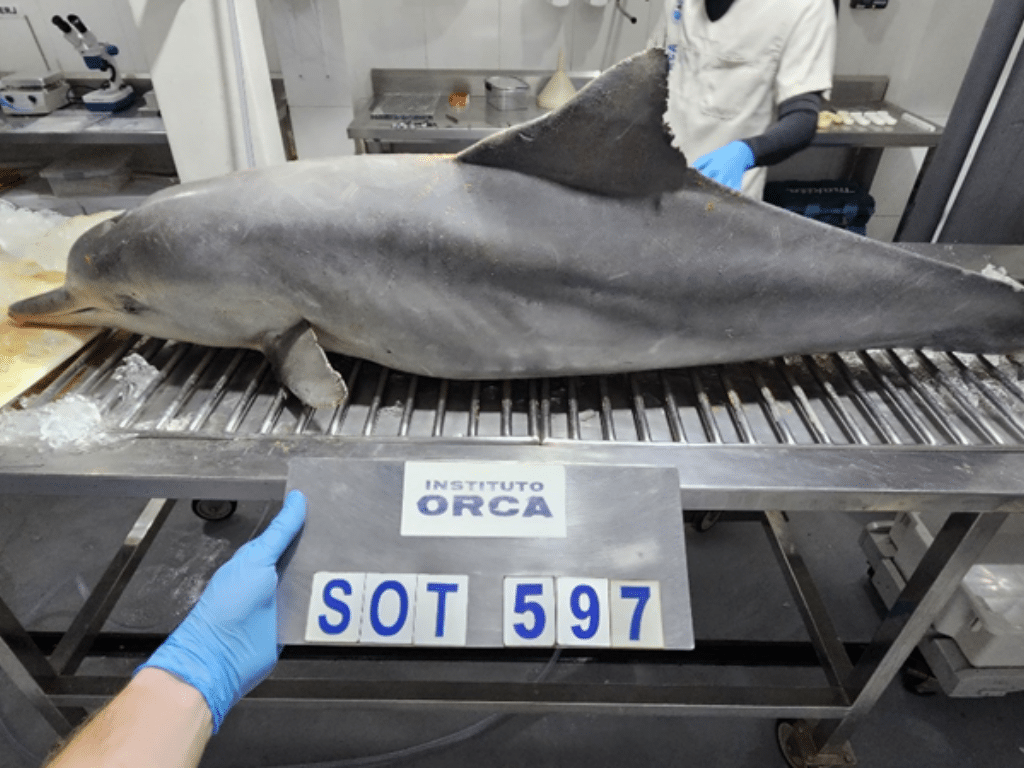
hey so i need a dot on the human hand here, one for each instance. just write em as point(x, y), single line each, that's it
point(727, 164)
point(227, 644)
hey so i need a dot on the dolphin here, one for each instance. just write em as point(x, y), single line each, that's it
point(578, 243)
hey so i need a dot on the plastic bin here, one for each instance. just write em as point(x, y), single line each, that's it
point(842, 204)
point(89, 171)
point(993, 634)
point(985, 616)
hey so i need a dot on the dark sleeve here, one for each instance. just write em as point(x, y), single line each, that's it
point(798, 121)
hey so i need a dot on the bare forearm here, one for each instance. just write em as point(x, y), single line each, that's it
point(157, 721)
point(225, 647)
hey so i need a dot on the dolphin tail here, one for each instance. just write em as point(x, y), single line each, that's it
point(50, 308)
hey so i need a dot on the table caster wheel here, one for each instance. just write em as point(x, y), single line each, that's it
point(705, 521)
point(797, 747)
point(214, 509)
point(917, 678)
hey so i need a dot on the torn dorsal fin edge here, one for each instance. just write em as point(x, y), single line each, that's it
point(609, 139)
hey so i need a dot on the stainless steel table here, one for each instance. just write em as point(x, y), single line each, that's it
point(868, 431)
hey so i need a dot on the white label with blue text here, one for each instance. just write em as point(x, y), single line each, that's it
point(529, 611)
point(490, 499)
point(388, 608)
point(635, 609)
point(335, 608)
point(442, 610)
point(583, 612)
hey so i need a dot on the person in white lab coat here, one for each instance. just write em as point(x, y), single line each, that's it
point(746, 80)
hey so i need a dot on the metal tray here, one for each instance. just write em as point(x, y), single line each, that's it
point(405, 106)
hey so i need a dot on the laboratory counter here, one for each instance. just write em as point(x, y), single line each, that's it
point(411, 106)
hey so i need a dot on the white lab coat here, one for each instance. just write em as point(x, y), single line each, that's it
point(726, 78)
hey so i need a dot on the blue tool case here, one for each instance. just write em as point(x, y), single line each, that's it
point(843, 204)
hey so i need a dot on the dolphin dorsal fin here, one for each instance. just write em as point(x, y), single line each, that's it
point(609, 139)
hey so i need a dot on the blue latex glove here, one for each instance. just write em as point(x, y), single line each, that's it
point(227, 644)
point(727, 164)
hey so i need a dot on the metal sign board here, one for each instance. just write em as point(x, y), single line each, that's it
point(486, 554)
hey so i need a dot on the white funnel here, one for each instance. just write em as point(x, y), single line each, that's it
point(559, 88)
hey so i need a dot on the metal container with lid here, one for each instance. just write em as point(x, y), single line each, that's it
point(33, 92)
point(33, 79)
point(507, 93)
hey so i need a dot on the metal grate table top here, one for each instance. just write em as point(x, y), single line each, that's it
point(866, 398)
point(897, 423)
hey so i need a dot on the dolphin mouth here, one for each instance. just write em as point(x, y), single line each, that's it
point(69, 320)
point(57, 307)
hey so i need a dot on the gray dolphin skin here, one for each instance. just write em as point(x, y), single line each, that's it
point(578, 243)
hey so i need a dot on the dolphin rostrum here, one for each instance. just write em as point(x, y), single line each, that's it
point(577, 243)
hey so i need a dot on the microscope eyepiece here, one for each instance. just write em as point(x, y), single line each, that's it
point(77, 23)
point(60, 24)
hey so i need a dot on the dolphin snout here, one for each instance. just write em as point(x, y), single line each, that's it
point(50, 308)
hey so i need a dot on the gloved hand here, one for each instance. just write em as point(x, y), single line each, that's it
point(727, 164)
point(227, 644)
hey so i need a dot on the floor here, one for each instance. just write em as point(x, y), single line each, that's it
point(52, 550)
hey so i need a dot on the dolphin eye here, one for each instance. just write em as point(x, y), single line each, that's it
point(131, 305)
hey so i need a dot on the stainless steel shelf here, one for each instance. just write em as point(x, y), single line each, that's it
point(77, 125)
point(479, 120)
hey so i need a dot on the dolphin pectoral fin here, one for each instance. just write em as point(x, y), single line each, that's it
point(610, 138)
point(43, 308)
point(302, 366)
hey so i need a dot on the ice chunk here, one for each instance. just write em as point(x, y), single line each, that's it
point(73, 422)
point(131, 379)
point(42, 238)
point(76, 422)
point(134, 375)
point(20, 229)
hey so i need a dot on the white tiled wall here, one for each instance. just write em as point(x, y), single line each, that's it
point(456, 34)
point(533, 32)
point(385, 33)
point(602, 36)
point(509, 34)
point(265, 9)
point(18, 47)
point(311, 52)
point(462, 33)
point(310, 48)
point(924, 47)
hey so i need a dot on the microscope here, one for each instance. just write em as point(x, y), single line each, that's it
point(112, 96)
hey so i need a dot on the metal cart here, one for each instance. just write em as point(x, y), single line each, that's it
point(869, 431)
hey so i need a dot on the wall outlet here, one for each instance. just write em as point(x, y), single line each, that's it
point(9, 11)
